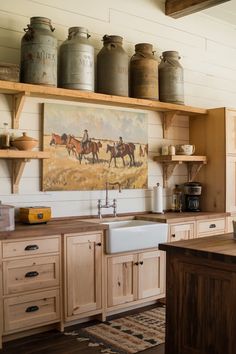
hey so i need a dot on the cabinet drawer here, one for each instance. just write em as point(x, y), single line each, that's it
point(211, 227)
point(30, 273)
point(30, 247)
point(27, 311)
point(179, 232)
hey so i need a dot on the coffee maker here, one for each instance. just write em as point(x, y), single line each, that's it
point(192, 192)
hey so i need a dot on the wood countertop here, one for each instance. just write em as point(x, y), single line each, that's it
point(86, 224)
point(218, 247)
point(53, 227)
point(173, 217)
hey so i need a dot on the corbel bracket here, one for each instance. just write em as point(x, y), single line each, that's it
point(193, 169)
point(18, 104)
point(17, 171)
point(168, 169)
point(167, 121)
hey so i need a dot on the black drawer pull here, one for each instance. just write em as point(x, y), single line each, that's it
point(136, 263)
point(31, 274)
point(31, 247)
point(141, 262)
point(212, 226)
point(98, 244)
point(32, 309)
point(173, 235)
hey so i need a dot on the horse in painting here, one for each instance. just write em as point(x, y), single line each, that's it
point(122, 151)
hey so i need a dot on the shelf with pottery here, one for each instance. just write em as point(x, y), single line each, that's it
point(169, 162)
point(20, 91)
point(19, 160)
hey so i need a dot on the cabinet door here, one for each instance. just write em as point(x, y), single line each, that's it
point(83, 273)
point(230, 120)
point(181, 231)
point(231, 183)
point(151, 274)
point(122, 279)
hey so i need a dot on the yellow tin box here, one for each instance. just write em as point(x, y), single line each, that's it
point(35, 215)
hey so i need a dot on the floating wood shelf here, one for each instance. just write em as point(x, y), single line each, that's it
point(20, 91)
point(169, 162)
point(19, 159)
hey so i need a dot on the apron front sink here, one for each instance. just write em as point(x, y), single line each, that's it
point(131, 235)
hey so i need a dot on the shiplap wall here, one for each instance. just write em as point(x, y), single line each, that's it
point(208, 51)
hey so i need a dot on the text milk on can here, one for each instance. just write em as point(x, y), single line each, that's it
point(144, 73)
point(77, 61)
point(39, 53)
point(171, 78)
point(113, 67)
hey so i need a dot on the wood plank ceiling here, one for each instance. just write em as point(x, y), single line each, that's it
point(177, 9)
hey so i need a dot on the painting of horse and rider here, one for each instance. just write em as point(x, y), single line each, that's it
point(90, 145)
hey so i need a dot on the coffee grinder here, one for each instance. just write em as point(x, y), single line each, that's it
point(192, 193)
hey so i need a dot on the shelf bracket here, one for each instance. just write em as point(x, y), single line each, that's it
point(167, 121)
point(168, 169)
point(193, 169)
point(17, 171)
point(18, 104)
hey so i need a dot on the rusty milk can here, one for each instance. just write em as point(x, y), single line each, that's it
point(39, 53)
point(77, 61)
point(144, 72)
point(113, 67)
point(171, 81)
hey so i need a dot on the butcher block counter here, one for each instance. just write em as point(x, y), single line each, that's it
point(56, 226)
point(201, 295)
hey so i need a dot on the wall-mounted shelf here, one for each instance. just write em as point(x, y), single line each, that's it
point(169, 162)
point(20, 91)
point(19, 159)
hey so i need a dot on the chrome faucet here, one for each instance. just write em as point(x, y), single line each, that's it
point(107, 204)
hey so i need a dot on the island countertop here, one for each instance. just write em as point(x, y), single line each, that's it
point(218, 247)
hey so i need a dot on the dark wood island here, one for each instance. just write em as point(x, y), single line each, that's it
point(201, 295)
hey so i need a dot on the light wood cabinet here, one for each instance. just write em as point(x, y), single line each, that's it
point(215, 136)
point(83, 275)
point(181, 231)
point(135, 277)
point(31, 310)
point(211, 227)
point(31, 282)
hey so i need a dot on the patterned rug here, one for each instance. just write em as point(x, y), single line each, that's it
point(129, 334)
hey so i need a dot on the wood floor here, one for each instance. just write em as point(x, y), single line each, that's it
point(54, 342)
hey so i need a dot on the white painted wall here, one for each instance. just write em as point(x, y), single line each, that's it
point(208, 51)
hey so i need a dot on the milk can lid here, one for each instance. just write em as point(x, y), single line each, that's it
point(112, 39)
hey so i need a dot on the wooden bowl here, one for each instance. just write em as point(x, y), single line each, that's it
point(24, 142)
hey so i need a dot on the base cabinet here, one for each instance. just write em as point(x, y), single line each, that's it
point(83, 275)
point(181, 231)
point(31, 281)
point(134, 277)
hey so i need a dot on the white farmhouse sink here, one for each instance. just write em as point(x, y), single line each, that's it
point(129, 235)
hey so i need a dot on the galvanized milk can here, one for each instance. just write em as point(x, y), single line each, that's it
point(113, 67)
point(39, 53)
point(144, 72)
point(171, 82)
point(77, 61)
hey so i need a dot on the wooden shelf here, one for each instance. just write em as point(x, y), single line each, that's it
point(169, 162)
point(20, 91)
point(19, 159)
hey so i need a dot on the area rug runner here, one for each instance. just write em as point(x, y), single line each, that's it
point(129, 334)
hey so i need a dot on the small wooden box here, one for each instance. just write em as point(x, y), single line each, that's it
point(35, 215)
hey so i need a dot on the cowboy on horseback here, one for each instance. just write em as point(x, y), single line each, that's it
point(85, 140)
point(119, 145)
